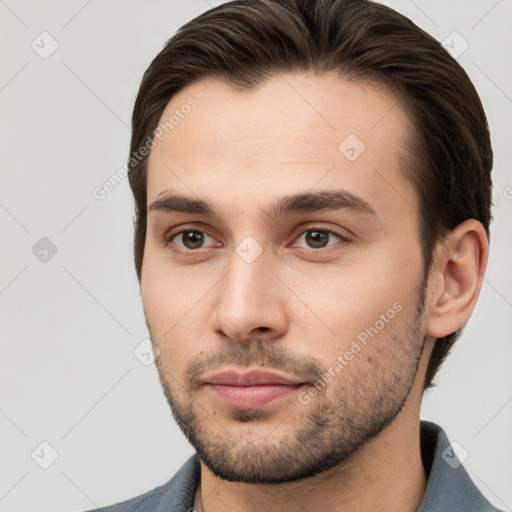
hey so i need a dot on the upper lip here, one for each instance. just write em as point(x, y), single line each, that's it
point(250, 378)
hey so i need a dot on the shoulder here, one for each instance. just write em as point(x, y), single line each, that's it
point(175, 495)
point(449, 486)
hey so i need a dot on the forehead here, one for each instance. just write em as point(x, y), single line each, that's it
point(292, 132)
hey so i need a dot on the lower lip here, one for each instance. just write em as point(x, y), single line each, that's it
point(252, 397)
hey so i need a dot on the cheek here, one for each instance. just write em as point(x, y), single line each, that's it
point(355, 293)
point(167, 293)
point(172, 305)
point(373, 297)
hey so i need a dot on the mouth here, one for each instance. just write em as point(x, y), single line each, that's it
point(250, 390)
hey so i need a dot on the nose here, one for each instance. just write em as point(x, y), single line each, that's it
point(250, 302)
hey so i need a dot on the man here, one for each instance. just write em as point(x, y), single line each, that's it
point(312, 187)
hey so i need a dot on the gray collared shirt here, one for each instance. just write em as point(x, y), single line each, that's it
point(449, 487)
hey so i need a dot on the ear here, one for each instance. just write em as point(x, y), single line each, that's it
point(456, 277)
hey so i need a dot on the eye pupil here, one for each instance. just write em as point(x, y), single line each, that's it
point(317, 238)
point(192, 239)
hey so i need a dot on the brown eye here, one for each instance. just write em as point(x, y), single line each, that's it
point(317, 239)
point(190, 239)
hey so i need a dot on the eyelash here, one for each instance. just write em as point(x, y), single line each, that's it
point(193, 252)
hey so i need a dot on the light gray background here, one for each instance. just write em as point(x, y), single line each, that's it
point(70, 325)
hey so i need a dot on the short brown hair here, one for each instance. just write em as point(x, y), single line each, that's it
point(246, 42)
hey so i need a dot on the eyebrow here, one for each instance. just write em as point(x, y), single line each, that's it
point(329, 200)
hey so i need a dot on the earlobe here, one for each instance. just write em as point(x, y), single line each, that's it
point(459, 265)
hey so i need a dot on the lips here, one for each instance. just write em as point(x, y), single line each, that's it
point(250, 378)
point(251, 390)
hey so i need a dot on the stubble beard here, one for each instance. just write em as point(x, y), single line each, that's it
point(358, 404)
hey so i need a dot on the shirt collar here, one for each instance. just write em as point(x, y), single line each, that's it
point(449, 486)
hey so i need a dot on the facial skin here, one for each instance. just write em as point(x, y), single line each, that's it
point(303, 302)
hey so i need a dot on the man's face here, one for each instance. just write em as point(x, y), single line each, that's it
point(327, 298)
